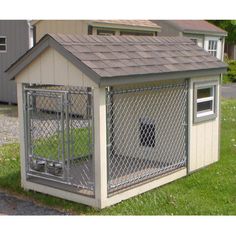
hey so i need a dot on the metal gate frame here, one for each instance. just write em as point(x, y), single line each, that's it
point(110, 132)
point(64, 125)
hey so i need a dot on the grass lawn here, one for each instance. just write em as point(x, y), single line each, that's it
point(210, 191)
point(51, 148)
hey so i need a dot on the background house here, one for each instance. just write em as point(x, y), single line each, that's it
point(15, 40)
point(95, 27)
point(203, 33)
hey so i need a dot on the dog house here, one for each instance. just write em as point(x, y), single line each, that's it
point(104, 118)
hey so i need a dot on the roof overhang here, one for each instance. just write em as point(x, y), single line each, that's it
point(210, 33)
point(48, 41)
point(112, 25)
point(119, 80)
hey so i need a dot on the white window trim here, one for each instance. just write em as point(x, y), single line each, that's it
point(219, 45)
point(213, 50)
point(209, 114)
point(4, 44)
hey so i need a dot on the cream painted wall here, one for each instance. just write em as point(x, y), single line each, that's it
point(52, 68)
point(61, 26)
point(204, 136)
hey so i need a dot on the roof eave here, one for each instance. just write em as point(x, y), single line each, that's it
point(144, 78)
point(124, 27)
point(205, 32)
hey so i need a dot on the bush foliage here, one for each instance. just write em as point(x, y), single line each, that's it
point(230, 76)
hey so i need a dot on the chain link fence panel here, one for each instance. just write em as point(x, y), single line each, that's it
point(59, 128)
point(147, 132)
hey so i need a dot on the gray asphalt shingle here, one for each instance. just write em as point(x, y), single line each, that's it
point(114, 56)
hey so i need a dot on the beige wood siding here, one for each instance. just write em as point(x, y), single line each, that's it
point(52, 68)
point(61, 26)
point(204, 136)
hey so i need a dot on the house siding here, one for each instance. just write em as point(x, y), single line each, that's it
point(61, 26)
point(54, 69)
point(204, 136)
point(17, 35)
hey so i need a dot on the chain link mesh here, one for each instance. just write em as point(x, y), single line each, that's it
point(60, 136)
point(147, 132)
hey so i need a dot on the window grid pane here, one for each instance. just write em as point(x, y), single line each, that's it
point(212, 47)
point(2, 47)
point(2, 40)
point(204, 106)
point(204, 92)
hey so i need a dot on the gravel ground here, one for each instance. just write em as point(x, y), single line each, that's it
point(11, 205)
point(9, 124)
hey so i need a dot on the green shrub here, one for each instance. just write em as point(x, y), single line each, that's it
point(230, 76)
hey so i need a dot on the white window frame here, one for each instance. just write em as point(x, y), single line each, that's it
point(4, 44)
point(219, 45)
point(205, 115)
point(212, 49)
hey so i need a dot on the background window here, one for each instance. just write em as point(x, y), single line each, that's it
point(147, 134)
point(105, 32)
point(136, 33)
point(212, 47)
point(204, 102)
point(3, 44)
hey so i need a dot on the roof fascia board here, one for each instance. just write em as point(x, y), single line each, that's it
point(119, 80)
point(205, 32)
point(124, 27)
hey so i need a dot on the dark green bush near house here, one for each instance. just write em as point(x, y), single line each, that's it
point(230, 76)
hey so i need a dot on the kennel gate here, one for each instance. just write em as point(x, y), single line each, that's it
point(59, 142)
point(147, 132)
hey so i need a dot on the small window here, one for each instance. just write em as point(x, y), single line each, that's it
point(147, 134)
point(204, 102)
point(136, 33)
point(212, 47)
point(3, 44)
point(105, 32)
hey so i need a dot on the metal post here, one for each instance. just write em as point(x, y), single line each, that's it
point(62, 136)
point(28, 129)
point(67, 104)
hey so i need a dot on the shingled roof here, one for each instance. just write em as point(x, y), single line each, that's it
point(106, 57)
point(193, 26)
point(138, 23)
